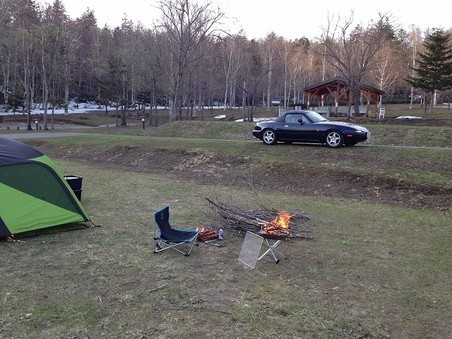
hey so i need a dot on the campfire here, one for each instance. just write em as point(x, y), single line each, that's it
point(278, 227)
point(268, 223)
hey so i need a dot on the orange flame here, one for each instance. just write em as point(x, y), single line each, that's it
point(281, 220)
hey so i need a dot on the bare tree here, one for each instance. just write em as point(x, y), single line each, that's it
point(27, 15)
point(7, 54)
point(351, 50)
point(415, 42)
point(285, 56)
point(150, 65)
point(187, 25)
point(298, 68)
point(232, 48)
point(51, 34)
point(270, 47)
point(254, 73)
point(390, 64)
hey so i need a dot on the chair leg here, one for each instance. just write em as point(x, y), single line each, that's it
point(161, 245)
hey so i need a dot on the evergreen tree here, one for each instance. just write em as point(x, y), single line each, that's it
point(434, 71)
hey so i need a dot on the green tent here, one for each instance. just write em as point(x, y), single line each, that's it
point(33, 192)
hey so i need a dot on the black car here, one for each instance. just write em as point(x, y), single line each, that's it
point(309, 127)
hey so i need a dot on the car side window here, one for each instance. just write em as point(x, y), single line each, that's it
point(292, 118)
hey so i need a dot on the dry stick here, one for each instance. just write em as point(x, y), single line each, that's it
point(252, 221)
point(198, 308)
point(157, 288)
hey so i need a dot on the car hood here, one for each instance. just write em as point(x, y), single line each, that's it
point(341, 123)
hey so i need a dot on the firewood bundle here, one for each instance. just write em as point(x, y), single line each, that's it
point(234, 218)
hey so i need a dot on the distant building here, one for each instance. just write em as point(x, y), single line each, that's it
point(337, 92)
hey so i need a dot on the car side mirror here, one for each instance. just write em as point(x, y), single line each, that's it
point(301, 121)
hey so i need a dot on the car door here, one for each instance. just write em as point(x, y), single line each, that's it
point(309, 131)
point(299, 128)
point(289, 129)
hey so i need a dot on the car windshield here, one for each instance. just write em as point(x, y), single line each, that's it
point(314, 116)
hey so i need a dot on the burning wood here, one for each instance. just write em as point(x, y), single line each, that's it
point(279, 226)
point(268, 223)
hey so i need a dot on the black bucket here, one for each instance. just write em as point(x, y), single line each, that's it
point(75, 182)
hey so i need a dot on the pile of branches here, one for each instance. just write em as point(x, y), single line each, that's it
point(234, 218)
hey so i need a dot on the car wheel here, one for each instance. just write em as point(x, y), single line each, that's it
point(269, 137)
point(334, 139)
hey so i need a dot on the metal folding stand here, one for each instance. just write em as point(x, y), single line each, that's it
point(271, 249)
point(252, 246)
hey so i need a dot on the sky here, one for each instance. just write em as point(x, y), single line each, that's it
point(290, 19)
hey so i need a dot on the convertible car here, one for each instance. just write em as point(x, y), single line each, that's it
point(309, 127)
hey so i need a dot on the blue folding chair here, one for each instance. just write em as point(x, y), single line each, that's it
point(166, 237)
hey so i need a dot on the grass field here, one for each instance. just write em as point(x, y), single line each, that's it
point(379, 265)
